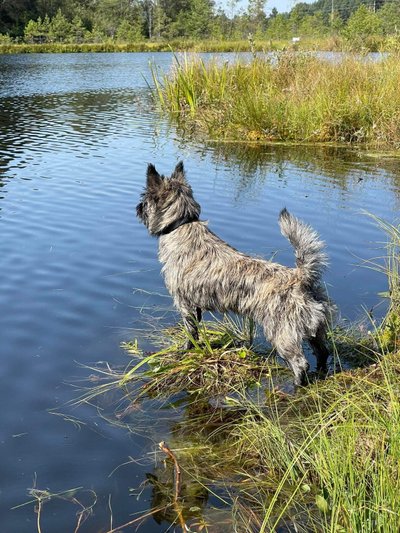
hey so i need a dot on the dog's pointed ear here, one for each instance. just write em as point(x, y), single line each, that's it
point(179, 173)
point(154, 179)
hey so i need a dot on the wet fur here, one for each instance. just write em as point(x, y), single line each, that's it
point(202, 272)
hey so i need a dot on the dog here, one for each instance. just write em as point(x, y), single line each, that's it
point(203, 272)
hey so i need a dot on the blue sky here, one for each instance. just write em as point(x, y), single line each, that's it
point(281, 5)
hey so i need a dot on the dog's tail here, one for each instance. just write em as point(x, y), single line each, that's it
point(311, 259)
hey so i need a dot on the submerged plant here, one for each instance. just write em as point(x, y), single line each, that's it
point(76, 496)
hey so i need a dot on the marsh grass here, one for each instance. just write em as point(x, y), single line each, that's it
point(178, 45)
point(221, 360)
point(294, 97)
point(337, 442)
point(330, 43)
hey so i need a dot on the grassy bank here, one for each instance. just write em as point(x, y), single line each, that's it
point(295, 98)
point(328, 44)
point(178, 45)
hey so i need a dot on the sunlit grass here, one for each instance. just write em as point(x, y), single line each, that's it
point(335, 43)
point(291, 97)
point(178, 45)
point(221, 360)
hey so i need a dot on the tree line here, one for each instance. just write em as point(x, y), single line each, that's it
point(81, 21)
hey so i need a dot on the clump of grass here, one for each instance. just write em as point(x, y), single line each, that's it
point(337, 442)
point(220, 360)
point(291, 97)
point(389, 334)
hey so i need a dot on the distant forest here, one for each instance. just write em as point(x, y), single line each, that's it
point(42, 21)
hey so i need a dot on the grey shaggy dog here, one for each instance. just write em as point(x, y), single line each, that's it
point(202, 272)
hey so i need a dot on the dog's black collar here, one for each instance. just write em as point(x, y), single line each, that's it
point(175, 225)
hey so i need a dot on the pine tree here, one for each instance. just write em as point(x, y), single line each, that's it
point(77, 30)
point(60, 28)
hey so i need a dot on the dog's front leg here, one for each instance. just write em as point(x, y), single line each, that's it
point(321, 352)
point(191, 319)
point(293, 354)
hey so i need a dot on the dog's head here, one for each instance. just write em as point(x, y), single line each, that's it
point(167, 203)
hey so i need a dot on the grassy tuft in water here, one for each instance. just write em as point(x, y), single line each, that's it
point(220, 361)
point(291, 97)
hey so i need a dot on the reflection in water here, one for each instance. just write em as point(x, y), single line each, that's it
point(196, 439)
point(199, 441)
point(337, 166)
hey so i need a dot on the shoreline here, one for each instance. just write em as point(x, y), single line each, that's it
point(328, 44)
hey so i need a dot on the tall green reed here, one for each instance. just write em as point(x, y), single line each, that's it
point(287, 97)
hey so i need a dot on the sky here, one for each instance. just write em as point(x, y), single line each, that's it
point(281, 5)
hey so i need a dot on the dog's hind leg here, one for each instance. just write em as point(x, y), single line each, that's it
point(293, 354)
point(321, 352)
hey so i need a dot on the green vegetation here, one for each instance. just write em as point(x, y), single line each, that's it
point(292, 97)
point(110, 24)
point(325, 459)
point(178, 45)
point(220, 361)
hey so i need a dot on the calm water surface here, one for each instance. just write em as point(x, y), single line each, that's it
point(79, 274)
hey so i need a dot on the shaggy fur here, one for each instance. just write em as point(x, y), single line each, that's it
point(202, 272)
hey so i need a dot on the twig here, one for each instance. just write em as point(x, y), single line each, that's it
point(178, 478)
point(38, 511)
point(165, 448)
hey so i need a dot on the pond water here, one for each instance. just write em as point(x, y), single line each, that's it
point(79, 274)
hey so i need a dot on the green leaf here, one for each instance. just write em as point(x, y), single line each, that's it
point(322, 504)
point(385, 294)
